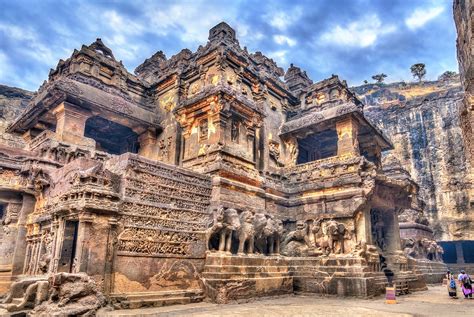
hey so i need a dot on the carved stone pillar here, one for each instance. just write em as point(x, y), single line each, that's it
point(27, 207)
point(110, 256)
point(148, 145)
point(71, 125)
point(54, 254)
point(347, 142)
point(83, 234)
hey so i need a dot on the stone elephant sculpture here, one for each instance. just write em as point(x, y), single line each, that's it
point(246, 233)
point(336, 232)
point(230, 224)
point(274, 232)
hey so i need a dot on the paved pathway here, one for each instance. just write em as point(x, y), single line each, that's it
point(434, 302)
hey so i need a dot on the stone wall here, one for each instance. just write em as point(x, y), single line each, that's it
point(12, 102)
point(422, 121)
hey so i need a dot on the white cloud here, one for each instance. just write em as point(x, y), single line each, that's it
point(421, 16)
point(279, 56)
point(361, 33)
point(26, 39)
point(283, 39)
point(281, 20)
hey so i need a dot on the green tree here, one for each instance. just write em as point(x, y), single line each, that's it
point(379, 78)
point(448, 75)
point(418, 71)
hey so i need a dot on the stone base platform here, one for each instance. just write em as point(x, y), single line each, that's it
point(156, 299)
point(433, 272)
point(344, 276)
point(228, 278)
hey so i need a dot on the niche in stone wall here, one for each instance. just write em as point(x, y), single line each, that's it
point(111, 137)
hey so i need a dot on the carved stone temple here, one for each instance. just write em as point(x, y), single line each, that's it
point(211, 175)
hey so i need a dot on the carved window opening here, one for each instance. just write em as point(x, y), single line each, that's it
point(317, 146)
point(69, 246)
point(2, 213)
point(111, 137)
point(203, 129)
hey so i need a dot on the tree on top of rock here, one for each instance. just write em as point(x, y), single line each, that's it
point(448, 75)
point(418, 70)
point(379, 78)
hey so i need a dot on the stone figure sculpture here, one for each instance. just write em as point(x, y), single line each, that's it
point(297, 242)
point(246, 233)
point(216, 227)
point(273, 232)
point(231, 223)
point(36, 290)
point(321, 241)
point(336, 234)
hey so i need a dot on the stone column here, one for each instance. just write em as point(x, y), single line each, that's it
point(110, 256)
point(459, 252)
point(82, 243)
point(71, 125)
point(148, 145)
point(27, 207)
point(347, 143)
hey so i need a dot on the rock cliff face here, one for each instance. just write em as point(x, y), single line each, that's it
point(422, 121)
point(12, 102)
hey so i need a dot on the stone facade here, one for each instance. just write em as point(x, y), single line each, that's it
point(204, 175)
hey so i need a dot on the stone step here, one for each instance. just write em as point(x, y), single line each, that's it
point(157, 299)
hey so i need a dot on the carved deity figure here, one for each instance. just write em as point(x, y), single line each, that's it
point(231, 223)
point(234, 131)
point(246, 233)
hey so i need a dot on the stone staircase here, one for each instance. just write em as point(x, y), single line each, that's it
point(229, 277)
point(156, 299)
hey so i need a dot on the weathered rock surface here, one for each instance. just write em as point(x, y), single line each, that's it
point(12, 102)
point(422, 121)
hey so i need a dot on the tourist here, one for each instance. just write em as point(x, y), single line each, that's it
point(466, 284)
point(452, 289)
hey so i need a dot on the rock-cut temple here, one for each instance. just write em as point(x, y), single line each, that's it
point(209, 175)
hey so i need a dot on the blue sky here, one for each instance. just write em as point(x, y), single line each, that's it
point(352, 38)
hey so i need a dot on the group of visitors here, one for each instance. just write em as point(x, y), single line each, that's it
point(464, 280)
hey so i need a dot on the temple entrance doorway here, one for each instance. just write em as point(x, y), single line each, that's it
point(317, 146)
point(69, 246)
point(111, 137)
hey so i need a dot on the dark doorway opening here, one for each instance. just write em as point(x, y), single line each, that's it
point(111, 137)
point(68, 250)
point(317, 146)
